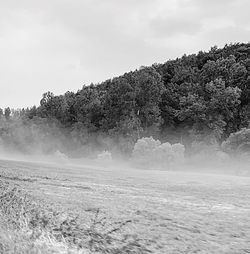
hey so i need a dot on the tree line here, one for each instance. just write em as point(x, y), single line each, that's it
point(199, 97)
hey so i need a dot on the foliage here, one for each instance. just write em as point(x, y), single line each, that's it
point(238, 142)
point(151, 153)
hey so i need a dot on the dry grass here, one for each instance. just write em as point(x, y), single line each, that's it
point(109, 210)
point(30, 226)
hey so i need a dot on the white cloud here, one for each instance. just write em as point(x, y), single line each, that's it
point(60, 45)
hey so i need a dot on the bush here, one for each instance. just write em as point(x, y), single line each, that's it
point(143, 150)
point(149, 152)
point(238, 143)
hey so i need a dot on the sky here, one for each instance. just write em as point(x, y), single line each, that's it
point(61, 45)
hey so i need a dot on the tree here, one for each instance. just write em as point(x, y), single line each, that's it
point(212, 113)
point(87, 106)
point(7, 113)
point(149, 89)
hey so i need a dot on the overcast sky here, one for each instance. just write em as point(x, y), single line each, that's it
point(60, 45)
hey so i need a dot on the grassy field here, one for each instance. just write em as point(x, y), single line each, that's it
point(87, 209)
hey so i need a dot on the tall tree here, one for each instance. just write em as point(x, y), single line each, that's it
point(7, 113)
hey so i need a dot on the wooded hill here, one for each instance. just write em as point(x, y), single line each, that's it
point(204, 96)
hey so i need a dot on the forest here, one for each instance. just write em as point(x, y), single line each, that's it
point(195, 99)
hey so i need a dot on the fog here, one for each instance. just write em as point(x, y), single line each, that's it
point(48, 143)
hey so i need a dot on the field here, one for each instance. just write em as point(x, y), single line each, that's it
point(124, 210)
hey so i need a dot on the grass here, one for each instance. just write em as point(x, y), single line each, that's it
point(29, 226)
point(77, 209)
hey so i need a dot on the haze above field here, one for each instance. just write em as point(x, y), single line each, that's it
point(61, 45)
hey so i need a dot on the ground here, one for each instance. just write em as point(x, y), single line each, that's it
point(165, 211)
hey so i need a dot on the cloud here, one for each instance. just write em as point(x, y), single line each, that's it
point(229, 34)
point(60, 45)
point(171, 26)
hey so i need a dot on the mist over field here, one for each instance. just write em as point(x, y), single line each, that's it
point(48, 141)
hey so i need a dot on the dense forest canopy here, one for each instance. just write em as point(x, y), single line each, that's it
point(199, 97)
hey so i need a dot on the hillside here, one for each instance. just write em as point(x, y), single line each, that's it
point(203, 96)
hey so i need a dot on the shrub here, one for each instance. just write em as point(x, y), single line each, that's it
point(164, 154)
point(149, 152)
point(143, 150)
point(238, 143)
